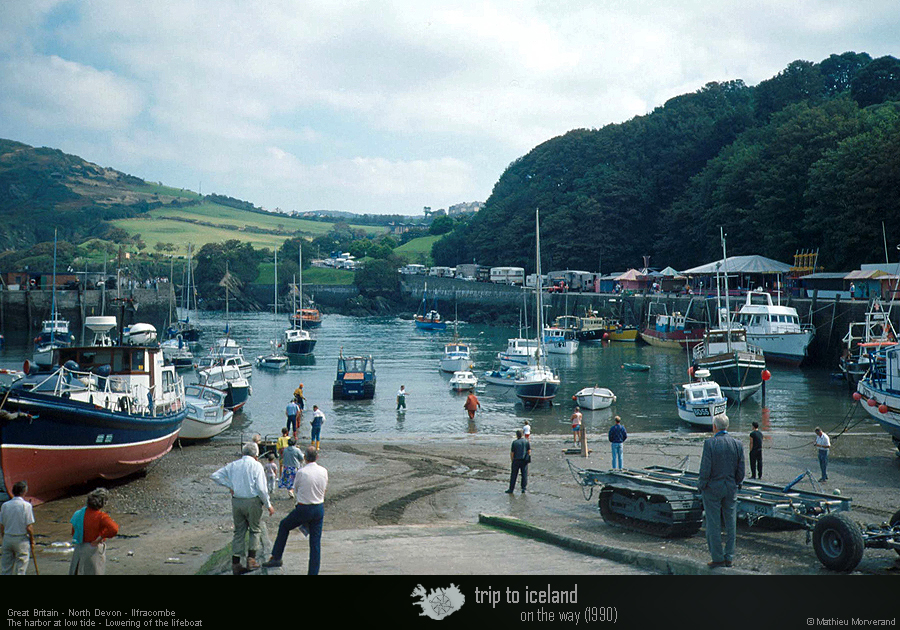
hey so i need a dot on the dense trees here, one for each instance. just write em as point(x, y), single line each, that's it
point(797, 162)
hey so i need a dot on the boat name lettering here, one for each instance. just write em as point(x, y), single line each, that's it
point(104, 438)
point(702, 411)
point(720, 409)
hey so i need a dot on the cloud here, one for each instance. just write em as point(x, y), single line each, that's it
point(379, 99)
point(51, 92)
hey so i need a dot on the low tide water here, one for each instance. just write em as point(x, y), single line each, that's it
point(797, 399)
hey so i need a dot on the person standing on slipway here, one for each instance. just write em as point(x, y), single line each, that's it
point(17, 530)
point(246, 479)
point(617, 436)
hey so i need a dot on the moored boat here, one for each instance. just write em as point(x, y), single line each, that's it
point(227, 378)
point(594, 398)
point(456, 357)
point(670, 330)
point(463, 380)
point(775, 328)
point(700, 401)
point(106, 412)
point(864, 339)
point(502, 376)
point(206, 414)
point(880, 391)
point(560, 340)
point(519, 352)
point(429, 319)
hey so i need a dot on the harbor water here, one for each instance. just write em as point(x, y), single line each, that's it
point(797, 399)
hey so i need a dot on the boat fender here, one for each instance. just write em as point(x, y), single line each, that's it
point(71, 366)
point(26, 367)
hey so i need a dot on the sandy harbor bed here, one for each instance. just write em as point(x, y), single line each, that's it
point(175, 521)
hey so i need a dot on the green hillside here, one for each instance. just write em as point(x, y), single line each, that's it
point(806, 160)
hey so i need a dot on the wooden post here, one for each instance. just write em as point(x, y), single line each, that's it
point(584, 448)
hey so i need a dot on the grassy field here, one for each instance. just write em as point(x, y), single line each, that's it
point(418, 250)
point(312, 275)
point(214, 223)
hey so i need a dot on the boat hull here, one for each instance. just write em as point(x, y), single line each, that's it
point(64, 443)
point(676, 339)
point(784, 348)
point(458, 364)
point(701, 415)
point(739, 374)
point(303, 347)
point(595, 398)
point(537, 392)
point(431, 325)
point(886, 409)
point(194, 429)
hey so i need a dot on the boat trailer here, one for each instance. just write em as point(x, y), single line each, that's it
point(666, 502)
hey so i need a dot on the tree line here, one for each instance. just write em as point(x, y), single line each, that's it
point(806, 160)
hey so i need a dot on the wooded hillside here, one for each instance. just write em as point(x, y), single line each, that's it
point(809, 159)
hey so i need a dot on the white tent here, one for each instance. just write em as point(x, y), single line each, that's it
point(740, 264)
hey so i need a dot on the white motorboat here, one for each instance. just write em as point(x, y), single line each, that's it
point(456, 358)
point(206, 414)
point(226, 352)
point(594, 398)
point(700, 400)
point(227, 378)
point(519, 352)
point(463, 381)
point(560, 340)
point(775, 328)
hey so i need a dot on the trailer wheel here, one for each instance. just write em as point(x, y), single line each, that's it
point(895, 521)
point(838, 542)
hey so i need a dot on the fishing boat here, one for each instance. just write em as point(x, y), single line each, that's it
point(775, 328)
point(593, 327)
point(429, 318)
point(560, 340)
point(463, 380)
point(355, 378)
point(732, 361)
point(674, 330)
point(519, 352)
point(537, 383)
point(864, 339)
point(700, 401)
point(228, 379)
point(296, 340)
point(106, 411)
point(880, 389)
point(276, 359)
point(206, 414)
point(594, 398)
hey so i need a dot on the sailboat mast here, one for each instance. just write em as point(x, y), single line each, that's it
point(540, 306)
point(727, 301)
point(53, 299)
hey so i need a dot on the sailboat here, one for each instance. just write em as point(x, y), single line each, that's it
point(429, 319)
point(175, 350)
point(183, 327)
point(276, 360)
point(227, 351)
point(733, 362)
point(54, 331)
point(297, 341)
point(537, 383)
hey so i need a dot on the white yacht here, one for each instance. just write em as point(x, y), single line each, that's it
point(775, 328)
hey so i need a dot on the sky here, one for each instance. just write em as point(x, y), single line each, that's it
point(379, 107)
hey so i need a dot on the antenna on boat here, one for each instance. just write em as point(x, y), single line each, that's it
point(727, 301)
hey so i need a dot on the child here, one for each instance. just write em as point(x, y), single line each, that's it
point(576, 424)
point(271, 471)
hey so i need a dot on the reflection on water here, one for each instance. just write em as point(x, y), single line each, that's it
point(797, 399)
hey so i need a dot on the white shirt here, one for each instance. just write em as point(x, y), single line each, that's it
point(16, 515)
point(822, 441)
point(245, 477)
point(526, 430)
point(310, 484)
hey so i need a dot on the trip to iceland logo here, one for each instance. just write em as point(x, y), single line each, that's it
point(440, 602)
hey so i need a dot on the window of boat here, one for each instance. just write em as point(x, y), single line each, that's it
point(168, 381)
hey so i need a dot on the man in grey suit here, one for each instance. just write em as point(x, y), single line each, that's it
point(721, 474)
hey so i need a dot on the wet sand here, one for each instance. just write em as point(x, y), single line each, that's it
point(175, 521)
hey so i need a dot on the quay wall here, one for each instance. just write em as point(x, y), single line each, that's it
point(22, 312)
point(830, 317)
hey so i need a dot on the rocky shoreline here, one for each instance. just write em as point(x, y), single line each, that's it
point(175, 521)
